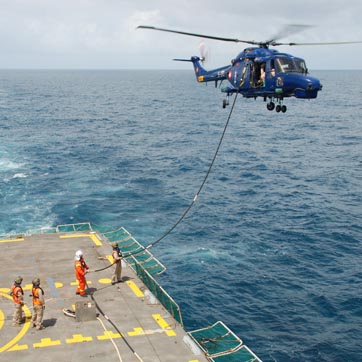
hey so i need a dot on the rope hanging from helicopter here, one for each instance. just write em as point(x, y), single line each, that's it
point(202, 184)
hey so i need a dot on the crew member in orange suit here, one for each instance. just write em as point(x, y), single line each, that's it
point(81, 269)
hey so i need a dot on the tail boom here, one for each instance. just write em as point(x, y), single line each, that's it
point(203, 75)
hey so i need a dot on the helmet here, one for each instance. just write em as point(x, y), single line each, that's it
point(36, 281)
point(18, 280)
point(78, 254)
point(114, 245)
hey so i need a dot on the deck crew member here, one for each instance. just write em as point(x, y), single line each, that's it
point(38, 304)
point(18, 297)
point(117, 259)
point(81, 269)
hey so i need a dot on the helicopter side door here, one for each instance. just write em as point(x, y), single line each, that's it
point(245, 75)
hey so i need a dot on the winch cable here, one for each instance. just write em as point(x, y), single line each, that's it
point(202, 184)
point(195, 197)
point(106, 267)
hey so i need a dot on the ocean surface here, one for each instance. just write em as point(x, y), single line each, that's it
point(273, 245)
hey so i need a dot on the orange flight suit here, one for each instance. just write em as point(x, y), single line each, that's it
point(80, 271)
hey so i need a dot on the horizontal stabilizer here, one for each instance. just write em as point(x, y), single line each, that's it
point(182, 60)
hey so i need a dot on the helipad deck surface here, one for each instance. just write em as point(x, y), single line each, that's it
point(144, 323)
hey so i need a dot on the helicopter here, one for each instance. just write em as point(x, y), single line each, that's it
point(259, 71)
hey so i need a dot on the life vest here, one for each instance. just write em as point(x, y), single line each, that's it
point(80, 268)
point(15, 289)
point(35, 293)
point(116, 253)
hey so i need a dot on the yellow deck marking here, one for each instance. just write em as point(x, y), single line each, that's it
point(105, 281)
point(109, 335)
point(27, 286)
point(110, 258)
point(5, 290)
point(58, 285)
point(18, 347)
point(78, 338)
point(47, 342)
point(76, 283)
point(2, 318)
point(11, 240)
point(72, 236)
point(164, 325)
point(93, 237)
point(23, 330)
point(135, 289)
point(137, 332)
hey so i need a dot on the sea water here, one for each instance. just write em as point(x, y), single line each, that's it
point(272, 246)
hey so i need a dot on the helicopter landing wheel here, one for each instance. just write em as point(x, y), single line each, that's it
point(278, 108)
point(270, 106)
point(284, 108)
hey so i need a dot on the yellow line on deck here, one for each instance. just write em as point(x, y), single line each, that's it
point(2, 318)
point(93, 237)
point(137, 332)
point(11, 240)
point(135, 289)
point(18, 347)
point(78, 338)
point(23, 330)
point(109, 335)
point(47, 342)
point(74, 236)
point(164, 325)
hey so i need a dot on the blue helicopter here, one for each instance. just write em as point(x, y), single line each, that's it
point(259, 71)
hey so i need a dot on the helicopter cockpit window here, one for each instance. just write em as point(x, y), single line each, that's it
point(285, 65)
point(288, 65)
point(301, 67)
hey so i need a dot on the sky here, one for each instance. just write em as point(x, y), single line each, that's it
point(101, 34)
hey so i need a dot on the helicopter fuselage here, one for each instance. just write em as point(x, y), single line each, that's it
point(263, 72)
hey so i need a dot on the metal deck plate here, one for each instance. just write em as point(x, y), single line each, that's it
point(148, 328)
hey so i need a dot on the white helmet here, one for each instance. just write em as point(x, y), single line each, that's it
point(78, 254)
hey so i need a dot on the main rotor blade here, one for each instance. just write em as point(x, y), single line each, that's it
point(198, 35)
point(324, 43)
point(287, 30)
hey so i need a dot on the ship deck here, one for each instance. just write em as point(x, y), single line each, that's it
point(147, 330)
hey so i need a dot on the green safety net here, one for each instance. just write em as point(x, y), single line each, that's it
point(220, 344)
point(135, 253)
point(243, 354)
point(159, 293)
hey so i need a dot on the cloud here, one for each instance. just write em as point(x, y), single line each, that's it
point(101, 33)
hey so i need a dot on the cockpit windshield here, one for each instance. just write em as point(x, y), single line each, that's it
point(301, 66)
point(289, 65)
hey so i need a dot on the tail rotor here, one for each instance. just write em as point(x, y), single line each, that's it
point(204, 52)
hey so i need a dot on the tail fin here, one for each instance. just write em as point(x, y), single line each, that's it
point(200, 71)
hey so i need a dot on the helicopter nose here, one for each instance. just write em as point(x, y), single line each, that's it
point(308, 88)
